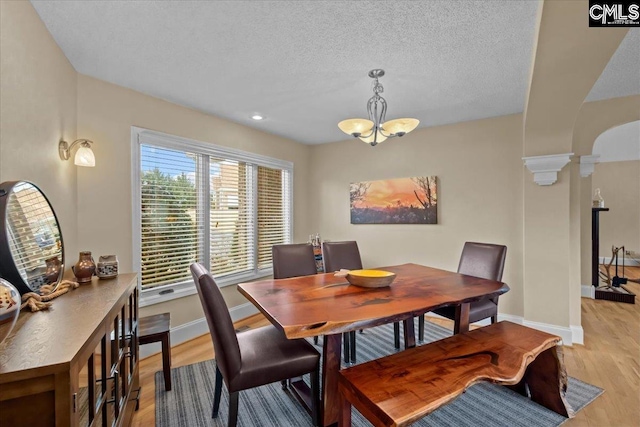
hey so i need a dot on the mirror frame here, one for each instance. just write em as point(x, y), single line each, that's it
point(8, 269)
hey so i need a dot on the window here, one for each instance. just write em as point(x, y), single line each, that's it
point(197, 202)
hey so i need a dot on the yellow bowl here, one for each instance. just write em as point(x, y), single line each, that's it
point(370, 278)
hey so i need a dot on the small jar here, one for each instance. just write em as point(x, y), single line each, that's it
point(107, 267)
point(85, 268)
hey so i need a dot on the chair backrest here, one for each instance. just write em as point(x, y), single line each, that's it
point(293, 260)
point(483, 260)
point(337, 255)
point(223, 334)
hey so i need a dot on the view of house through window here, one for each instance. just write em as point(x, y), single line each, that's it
point(199, 207)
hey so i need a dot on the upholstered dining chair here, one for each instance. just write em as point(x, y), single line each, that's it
point(297, 259)
point(252, 358)
point(339, 255)
point(483, 260)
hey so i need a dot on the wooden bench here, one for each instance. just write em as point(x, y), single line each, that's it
point(399, 389)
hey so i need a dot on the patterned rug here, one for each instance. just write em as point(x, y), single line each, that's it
point(189, 403)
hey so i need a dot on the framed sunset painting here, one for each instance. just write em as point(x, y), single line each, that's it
point(395, 201)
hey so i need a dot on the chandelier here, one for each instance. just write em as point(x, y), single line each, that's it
point(376, 129)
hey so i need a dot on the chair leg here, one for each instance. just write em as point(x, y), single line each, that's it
point(396, 335)
point(166, 361)
point(284, 384)
point(345, 343)
point(233, 409)
point(352, 338)
point(315, 396)
point(421, 328)
point(217, 392)
point(315, 340)
point(494, 319)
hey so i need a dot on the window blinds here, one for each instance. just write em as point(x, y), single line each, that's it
point(169, 217)
point(218, 210)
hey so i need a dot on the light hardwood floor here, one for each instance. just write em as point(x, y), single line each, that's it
point(609, 359)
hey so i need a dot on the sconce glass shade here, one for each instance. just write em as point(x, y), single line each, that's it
point(84, 154)
point(402, 126)
point(359, 126)
point(85, 157)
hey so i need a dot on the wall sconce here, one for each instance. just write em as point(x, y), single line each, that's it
point(84, 155)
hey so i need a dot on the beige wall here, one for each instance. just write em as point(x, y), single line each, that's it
point(619, 184)
point(106, 113)
point(479, 174)
point(37, 109)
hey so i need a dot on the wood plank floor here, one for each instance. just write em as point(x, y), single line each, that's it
point(609, 359)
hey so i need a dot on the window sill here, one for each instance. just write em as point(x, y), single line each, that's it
point(167, 293)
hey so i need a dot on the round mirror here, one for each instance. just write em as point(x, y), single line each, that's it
point(31, 250)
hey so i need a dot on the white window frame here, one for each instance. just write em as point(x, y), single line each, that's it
point(178, 290)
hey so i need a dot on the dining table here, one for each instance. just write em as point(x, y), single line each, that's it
point(326, 304)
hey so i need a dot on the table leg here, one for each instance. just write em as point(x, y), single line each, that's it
point(409, 333)
point(331, 352)
point(462, 318)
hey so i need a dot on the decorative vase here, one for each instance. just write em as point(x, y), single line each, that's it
point(9, 308)
point(85, 268)
point(53, 270)
point(107, 267)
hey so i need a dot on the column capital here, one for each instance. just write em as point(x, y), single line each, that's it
point(587, 164)
point(545, 168)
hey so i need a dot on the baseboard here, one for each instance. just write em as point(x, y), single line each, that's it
point(570, 335)
point(628, 262)
point(195, 328)
point(577, 334)
point(587, 291)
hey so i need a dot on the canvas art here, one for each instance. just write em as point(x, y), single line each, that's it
point(395, 201)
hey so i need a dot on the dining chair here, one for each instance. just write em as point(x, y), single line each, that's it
point(346, 255)
point(483, 260)
point(298, 259)
point(252, 358)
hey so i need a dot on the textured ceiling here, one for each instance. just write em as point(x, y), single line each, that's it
point(304, 64)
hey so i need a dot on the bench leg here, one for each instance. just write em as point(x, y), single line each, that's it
point(546, 378)
point(166, 361)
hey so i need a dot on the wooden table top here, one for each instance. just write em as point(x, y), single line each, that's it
point(324, 304)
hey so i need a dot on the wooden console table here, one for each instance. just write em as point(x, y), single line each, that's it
point(75, 364)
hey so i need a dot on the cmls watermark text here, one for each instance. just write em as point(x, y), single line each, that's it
point(614, 13)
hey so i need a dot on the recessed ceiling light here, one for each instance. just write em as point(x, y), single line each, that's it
point(257, 117)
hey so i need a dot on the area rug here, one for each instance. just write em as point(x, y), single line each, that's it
point(189, 403)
